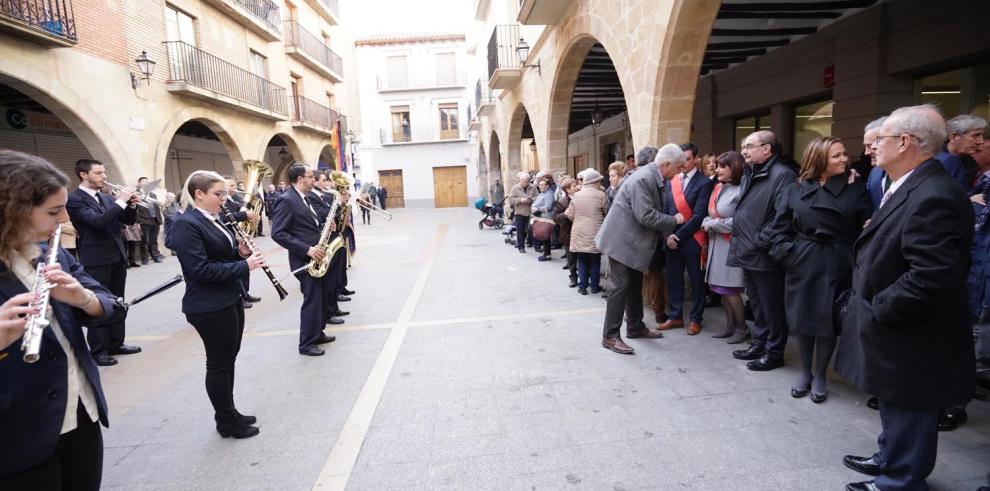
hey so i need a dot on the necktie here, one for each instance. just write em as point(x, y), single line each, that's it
point(311, 210)
point(884, 199)
point(99, 202)
point(886, 182)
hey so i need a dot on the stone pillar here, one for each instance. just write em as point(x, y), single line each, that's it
point(782, 125)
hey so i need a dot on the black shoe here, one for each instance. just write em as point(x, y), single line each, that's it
point(134, 265)
point(873, 403)
point(157, 260)
point(251, 298)
point(862, 486)
point(339, 313)
point(144, 262)
point(799, 393)
point(521, 250)
point(312, 351)
point(765, 364)
point(819, 398)
point(596, 289)
point(335, 321)
point(236, 429)
point(753, 352)
point(104, 360)
point(543, 258)
point(345, 291)
point(863, 465)
point(343, 298)
point(248, 305)
point(564, 266)
point(126, 349)
point(951, 418)
point(573, 284)
point(324, 339)
point(583, 291)
point(244, 419)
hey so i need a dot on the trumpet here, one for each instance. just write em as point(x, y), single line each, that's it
point(372, 208)
point(36, 323)
point(144, 200)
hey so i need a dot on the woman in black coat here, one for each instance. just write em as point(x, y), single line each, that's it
point(817, 220)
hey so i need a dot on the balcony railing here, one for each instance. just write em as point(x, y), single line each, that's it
point(502, 48)
point(482, 95)
point(51, 17)
point(264, 10)
point(189, 64)
point(298, 37)
point(308, 111)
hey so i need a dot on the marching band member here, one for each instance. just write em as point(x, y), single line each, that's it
point(213, 264)
point(296, 226)
point(50, 422)
point(234, 203)
point(321, 183)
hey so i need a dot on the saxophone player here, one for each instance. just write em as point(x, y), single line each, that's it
point(321, 187)
point(50, 426)
point(234, 203)
point(296, 226)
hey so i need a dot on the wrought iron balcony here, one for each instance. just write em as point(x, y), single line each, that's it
point(260, 16)
point(199, 74)
point(483, 99)
point(49, 22)
point(312, 51)
point(504, 69)
point(312, 115)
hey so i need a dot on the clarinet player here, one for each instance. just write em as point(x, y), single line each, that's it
point(50, 428)
point(213, 264)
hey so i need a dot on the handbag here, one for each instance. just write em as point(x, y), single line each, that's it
point(542, 228)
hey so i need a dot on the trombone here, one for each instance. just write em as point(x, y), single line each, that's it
point(144, 200)
point(372, 208)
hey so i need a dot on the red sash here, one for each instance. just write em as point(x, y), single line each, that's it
point(713, 209)
point(700, 236)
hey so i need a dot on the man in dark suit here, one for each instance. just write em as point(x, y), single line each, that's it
point(235, 205)
point(629, 236)
point(323, 203)
point(271, 195)
point(97, 218)
point(907, 337)
point(296, 227)
point(688, 194)
point(382, 196)
point(150, 218)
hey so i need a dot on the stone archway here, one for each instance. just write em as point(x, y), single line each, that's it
point(272, 152)
point(189, 147)
point(520, 128)
point(495, 156)
point(562, 92)
point(209, 118)
point(327, 157)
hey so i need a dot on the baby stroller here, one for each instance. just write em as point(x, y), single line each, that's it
point(493, 213)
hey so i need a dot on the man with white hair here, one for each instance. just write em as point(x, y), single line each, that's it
point(965, 135)
point(628, 237)
point(877, 182)
point(521, 198)
point(907, 336)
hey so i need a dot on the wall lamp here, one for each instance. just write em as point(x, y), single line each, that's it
point(146, 66)
point(522, 50)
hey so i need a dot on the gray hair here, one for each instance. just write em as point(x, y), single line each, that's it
point(645, 155)
point(875, 124)
point(521, 173)
point(670, 152)
point(922, 122)
point(964, 123)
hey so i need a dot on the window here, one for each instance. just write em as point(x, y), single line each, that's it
point(449, 129)
point(401, 127)
point(397, 74)
point(179, 26)
point(744, 126)
point(810, 122)
point(446, 69)
point(943, 90)
point(294, 83)
point(258, 64)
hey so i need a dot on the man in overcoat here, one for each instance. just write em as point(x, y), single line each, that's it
point(628, 237)
point(907, 335)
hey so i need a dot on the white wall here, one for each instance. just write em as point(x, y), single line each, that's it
point(417, 163)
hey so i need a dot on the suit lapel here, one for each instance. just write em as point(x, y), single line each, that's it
point(897, 199)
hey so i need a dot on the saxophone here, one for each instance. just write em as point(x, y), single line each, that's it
point(36, 323)
point(330, 241)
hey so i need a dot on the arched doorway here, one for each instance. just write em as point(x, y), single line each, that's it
point(495, 160)
point(589, 122)
point(199, 144)
point(327, 159)
point(35, 122)
point(279, 152)
point(522, 143)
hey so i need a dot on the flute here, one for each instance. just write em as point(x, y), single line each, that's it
point(246, 239)
point(36, 323)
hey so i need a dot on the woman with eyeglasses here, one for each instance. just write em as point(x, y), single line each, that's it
point(213, 262)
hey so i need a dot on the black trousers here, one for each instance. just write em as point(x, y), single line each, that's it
point(76, 464)
point(521, 223)
point(316, 306)
point(221, 332)
point(149, 241)
point(765, 290)
point(907, 447)
point(625, 298)
point(111, 336)
point(571, 263)
point(365, 216)
point(677, 262)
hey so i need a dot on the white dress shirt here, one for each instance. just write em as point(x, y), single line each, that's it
point(686, 177)
point(894, 186)
point(216, 223)
point(92, 192)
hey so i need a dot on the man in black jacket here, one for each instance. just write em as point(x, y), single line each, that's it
point(906, 332)
point(150, 218)
point(764, 180)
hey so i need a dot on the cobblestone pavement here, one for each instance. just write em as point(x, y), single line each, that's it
point(466, 365)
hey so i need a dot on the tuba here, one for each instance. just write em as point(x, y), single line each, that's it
point(255, 171)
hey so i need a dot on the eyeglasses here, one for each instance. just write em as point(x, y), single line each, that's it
point(876, 141)
point(750, 146)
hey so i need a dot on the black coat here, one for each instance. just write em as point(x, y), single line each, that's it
point(812, 235)
point(907, 337)
point(760, 190)
point(295, 227)
point(211, 265)
point(99, 240)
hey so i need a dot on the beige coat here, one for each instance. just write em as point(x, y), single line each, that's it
point(516, 197)
point(587, 210)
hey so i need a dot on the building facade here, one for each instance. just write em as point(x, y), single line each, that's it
point(232, 80)
point(581, 83)
point(414, 104)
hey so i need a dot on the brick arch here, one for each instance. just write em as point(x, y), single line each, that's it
point(213, 120)
point(515, 138)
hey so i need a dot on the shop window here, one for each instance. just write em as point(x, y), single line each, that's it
point(810, 122)
point(943, 90)
point(744, 126)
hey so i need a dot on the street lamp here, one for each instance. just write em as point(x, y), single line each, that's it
point(283, 154)
point(146, 66)
point(597, 115)
point(522, 50)
point(532, 145)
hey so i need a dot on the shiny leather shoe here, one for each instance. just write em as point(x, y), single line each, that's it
point(617, 345)
point(799, 393)
point(343, 298)
point(245, 419)
point(335, 321)
point(951, 418)
point(863, 465)
point(236, 429)
point(324, 339)
point(543, 258)
point(105, 360)
point(753, 352)
point(645, 333)
point(819, 398)
point(251, 298)
point(248, 305)
point(862, 486)
point(583, 291)
point(339, 313)
point(873, 403)
point(125, 349)
point(694, 328)
point(312, 351)
point(573, 284)
point(345, 291)
point(670, 324)
point(765, 364)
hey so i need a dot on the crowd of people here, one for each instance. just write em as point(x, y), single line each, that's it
point(872, 263)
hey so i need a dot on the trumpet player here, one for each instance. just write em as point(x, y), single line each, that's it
point(296, 226)
point(234, 203)
point(98, 217)
point(50, 424)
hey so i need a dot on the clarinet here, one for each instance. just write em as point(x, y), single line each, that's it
point(246, 239)
point(36, 323)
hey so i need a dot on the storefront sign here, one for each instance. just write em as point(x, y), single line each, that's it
point(32, 122)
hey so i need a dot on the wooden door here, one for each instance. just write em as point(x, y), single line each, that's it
point(450, 186)
point(392, 180)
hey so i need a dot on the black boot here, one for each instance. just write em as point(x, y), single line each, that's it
point(232, 426)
